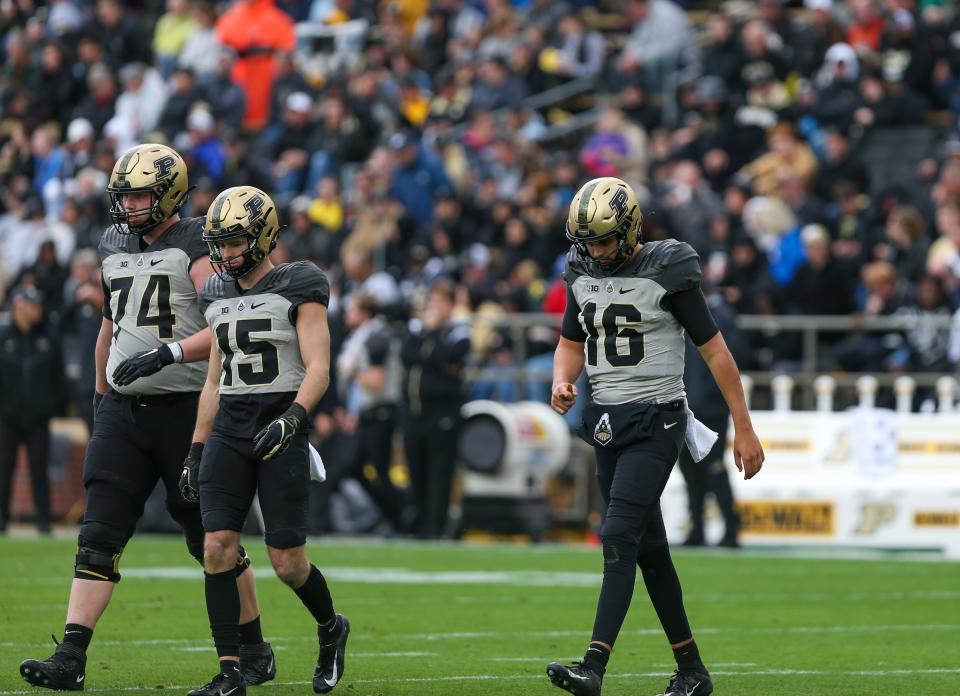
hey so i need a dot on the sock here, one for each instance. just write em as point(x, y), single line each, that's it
point(230, 667)
point(78, 635)
point(250, 633)
point(688, 657)
point(223, 610)
point(316, 597)
point(596, 658)
point(325, 631)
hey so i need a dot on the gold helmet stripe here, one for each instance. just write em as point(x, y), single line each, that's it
point(584, 209)
point(122, 168)
point(216, 216)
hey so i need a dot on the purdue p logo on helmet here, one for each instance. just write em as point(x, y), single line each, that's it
point(603, 208)
point(241, 212)
point(151, 169)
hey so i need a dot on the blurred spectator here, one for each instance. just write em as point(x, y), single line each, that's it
point(822, 284)
point(140, 104)
point(787, 153)
point(82, 318)
point(206, 155)
point(122, 39)
point(660, 44)
point(256, 30)
point(884, 295)
point(171, 33)
point(184, 93)
point(368, 370)
point(201, 49)
point(906, 243)
point(32, 391)
point(434, 351)
point(418, 176)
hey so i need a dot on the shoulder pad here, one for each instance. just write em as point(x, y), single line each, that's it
point(302, 281)
point(212, 290)
point(111, 242)
point(574, 266)
point(672, 263)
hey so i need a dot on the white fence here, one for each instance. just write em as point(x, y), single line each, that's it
point(865, 477)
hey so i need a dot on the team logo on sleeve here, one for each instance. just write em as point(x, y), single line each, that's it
point(602, 433)
point(610, 288)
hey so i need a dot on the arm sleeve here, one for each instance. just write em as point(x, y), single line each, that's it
point(106, 311)
point(571, 328)
point(306, 283)
point(690, 309)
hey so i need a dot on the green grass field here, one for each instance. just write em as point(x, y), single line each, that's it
point(485, 619)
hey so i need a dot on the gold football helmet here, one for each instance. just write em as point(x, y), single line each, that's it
point(241, 211)
point(604, 208)
point(155, 169)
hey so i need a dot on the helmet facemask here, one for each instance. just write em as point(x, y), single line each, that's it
point(224, 266)
point(240, 213)
point(150, 169)
point(120, 216)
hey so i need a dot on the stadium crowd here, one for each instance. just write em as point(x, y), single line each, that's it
point(400, 141)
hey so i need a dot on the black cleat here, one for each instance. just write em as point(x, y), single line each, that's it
point(231, 684)
point(333, 650)
point(579, 679)
point(65, 670)
point(689, 683)
point(257, 663)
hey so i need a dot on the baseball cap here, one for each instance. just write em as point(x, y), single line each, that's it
point(25, 292)
point(79, 129)
point(299, 102)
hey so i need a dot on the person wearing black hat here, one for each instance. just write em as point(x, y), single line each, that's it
point(32, 391)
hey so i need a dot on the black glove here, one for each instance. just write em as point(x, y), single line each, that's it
point(142, 364)
point(274, 438)
point(189, 477)
point(97, 398)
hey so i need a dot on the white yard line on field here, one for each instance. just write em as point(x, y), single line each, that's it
point(469, 635)
point(531, 677)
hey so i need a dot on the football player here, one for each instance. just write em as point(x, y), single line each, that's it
point(269, 365)
point(153, 264)
point(628, 304)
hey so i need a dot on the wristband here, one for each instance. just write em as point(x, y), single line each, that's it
point(176, 352)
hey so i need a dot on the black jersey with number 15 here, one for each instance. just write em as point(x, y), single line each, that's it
point(256, 337)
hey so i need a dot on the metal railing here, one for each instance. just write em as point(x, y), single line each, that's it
point(811, 328)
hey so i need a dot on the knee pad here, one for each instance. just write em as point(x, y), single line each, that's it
point(619, 553)
point(97, 559)
point(243, 561)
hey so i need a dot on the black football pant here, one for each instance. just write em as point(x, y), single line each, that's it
point(430, 443)
point(36, 436)
point(631, 481)
point(710, 476)
point(374, 447)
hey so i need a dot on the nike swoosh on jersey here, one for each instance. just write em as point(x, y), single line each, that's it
point(667, 426)
point(154, 262)
point(259, 304)
point(624, 291)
